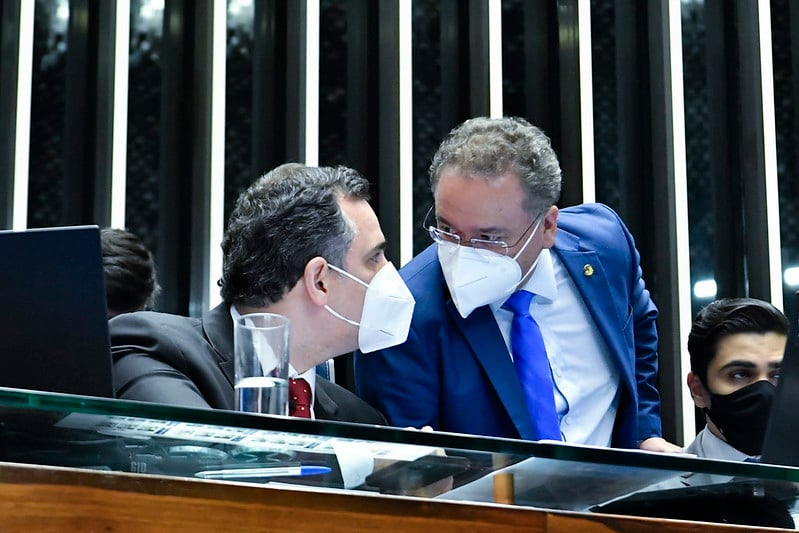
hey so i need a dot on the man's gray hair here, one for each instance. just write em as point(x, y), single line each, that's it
point(283, 220)
point(488, 147)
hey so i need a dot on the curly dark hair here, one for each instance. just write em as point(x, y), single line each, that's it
point(283, 220)
point(488, 147)
point(129, 271)
point(726, 317)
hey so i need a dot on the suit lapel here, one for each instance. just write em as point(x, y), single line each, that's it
point(482, 333)
point(218, 327)
point(324, 406)
point(598, 297)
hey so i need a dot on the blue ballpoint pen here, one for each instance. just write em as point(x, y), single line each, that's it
point(264, 471)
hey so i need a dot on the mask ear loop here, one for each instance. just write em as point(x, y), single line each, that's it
point(356, 280)
point(537, 225)
point(342, 317)
point(535, 263)
point(348, 275)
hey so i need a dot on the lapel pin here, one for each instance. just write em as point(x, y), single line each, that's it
point(588, 271)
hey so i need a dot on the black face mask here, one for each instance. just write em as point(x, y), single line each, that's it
point(742, 416)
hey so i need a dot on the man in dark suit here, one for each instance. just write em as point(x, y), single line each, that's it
point(495, 225)
point(302, 242)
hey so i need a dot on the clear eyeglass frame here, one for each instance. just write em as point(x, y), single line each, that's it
point(481, 245)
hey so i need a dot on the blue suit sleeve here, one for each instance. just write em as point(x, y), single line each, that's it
point(402, 382)
point(646, 348)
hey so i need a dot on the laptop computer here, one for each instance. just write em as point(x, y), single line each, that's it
point(53, 321)
point(781, 442)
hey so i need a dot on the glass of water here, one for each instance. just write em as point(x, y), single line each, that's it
point(261, 351)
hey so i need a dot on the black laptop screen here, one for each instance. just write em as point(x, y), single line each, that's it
point(53, 322)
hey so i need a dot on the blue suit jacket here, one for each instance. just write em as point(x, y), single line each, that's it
point(455, 374)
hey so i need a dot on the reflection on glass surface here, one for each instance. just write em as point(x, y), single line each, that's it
point(226, 446)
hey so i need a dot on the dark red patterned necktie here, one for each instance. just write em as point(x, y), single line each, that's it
point(300, 398)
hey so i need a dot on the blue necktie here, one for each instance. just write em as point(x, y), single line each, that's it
point(532, 366)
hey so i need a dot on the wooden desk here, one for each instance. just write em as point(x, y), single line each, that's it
point(64, 499)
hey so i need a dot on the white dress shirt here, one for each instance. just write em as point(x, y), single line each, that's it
point(585, 376)
point(309, 375)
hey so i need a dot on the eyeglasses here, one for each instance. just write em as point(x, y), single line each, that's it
point(497, 247)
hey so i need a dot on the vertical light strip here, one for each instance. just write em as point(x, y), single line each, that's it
point(217, 156)
point(119, 146)
point(495, 104)
point(23, 125)
point(406, 131)
point(312, 82)
point(770, 154)
point(681, 210)
point(586, 101)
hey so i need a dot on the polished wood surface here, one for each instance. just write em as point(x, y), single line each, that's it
point(38, 498)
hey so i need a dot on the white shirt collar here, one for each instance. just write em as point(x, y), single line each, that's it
point(541, 282)
point(715, 448)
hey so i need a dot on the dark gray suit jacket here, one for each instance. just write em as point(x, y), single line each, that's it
point(185, 361)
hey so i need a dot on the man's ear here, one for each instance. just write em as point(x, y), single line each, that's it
point(316, 280)
point(698, 391)
point(550, 224)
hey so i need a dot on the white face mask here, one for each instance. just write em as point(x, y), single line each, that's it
point(479, 277)
point(387, 310)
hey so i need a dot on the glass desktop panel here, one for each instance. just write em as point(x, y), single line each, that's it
point(124, 436)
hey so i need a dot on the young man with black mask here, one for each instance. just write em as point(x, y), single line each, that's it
point(736, 348)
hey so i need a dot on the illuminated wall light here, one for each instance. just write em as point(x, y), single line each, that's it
point(791, 276)
point(705, 288)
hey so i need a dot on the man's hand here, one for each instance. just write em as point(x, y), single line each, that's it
point(659, 444)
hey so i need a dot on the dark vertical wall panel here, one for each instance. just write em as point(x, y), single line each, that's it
point(362, 87)
point(295, 76)
point(635, 135)
point(81, 112)
point(478, 58)
point(454, 78)
point(570, 152)
point(175, 207)
point(9, 68)
point(541, 94)
point(785, 49)
point(723, 105)
point(104, 126)
point(428, 99)
point(753, 155)
point(389, 162)
point(185, 166)
point(269, 85)
point(146, 70)
point(662, 277)
point(200, 228)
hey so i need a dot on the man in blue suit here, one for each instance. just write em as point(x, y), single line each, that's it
point(498, 233)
